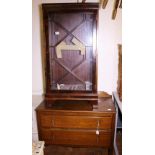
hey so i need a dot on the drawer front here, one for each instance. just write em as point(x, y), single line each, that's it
point(83, 122)
point(78, 138)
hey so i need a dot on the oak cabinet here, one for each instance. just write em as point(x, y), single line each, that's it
point(70, 37)
point(71, 113)
point(76, 125)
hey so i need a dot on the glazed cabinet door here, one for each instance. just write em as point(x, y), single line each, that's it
point(71, 45)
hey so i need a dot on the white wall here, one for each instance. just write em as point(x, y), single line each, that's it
point(109, 35)
point(36, 100)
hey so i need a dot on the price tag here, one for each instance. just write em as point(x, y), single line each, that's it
point(97, 132)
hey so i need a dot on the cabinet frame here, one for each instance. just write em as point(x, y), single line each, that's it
point(61, 8)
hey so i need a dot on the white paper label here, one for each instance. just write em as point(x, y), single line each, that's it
point(97, 132)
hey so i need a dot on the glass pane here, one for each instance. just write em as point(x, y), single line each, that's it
point(71, 49)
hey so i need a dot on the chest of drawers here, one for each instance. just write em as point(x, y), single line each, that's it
point(80, 126)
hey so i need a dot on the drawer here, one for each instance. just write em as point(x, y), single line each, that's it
point(80, 122)
point(77, 138)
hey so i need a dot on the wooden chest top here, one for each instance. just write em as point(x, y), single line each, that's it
point(75, 106)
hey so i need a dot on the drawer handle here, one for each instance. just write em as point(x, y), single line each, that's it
point(97, 133)
point(98, 124)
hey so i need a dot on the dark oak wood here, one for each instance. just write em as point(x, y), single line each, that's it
point(70, 7)
point(64, 150)
point(83, 1)
point(77, 123)
point(73, 116)
point(76, 138)
point(86, 122)
point(68, 75)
